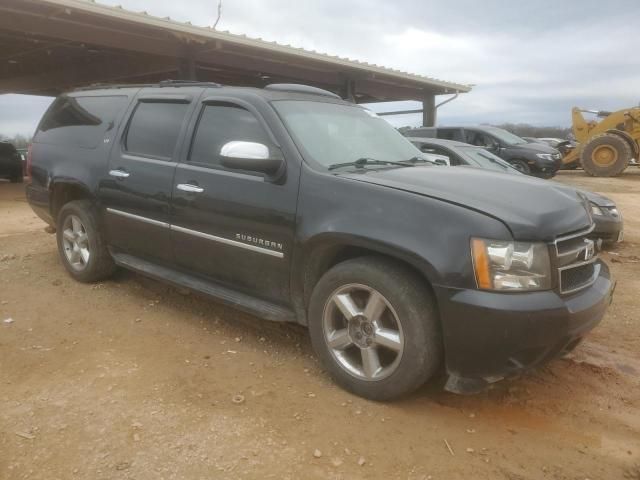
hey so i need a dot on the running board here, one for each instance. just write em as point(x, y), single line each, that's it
point(241, 301)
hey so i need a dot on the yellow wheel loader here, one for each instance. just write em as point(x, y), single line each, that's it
point(606, 146)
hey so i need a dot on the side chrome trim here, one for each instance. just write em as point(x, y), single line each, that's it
point(227, 241)
point(195, 233)
point(150, 221)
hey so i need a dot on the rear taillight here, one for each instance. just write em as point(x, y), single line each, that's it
point(29, 160)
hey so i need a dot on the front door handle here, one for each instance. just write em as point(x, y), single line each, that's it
point(119, 173)
point(187, 187)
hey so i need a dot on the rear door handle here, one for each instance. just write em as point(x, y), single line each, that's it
point(187, 187)
point(119, 173)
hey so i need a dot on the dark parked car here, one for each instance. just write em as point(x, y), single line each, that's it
point(292, 204)
point(530, 158)
point(609, 226)
point(10, 163)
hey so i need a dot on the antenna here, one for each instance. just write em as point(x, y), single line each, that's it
point(219, 14)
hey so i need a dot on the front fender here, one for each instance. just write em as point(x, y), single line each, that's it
point(430, 234)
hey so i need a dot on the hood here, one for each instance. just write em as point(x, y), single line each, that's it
point(533, 147)
point(531, 208)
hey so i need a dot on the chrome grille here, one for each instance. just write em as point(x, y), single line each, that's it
point(576, 258)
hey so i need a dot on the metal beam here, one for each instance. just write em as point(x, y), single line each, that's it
point(400, 112)
point(74, 75)
point(385, 92)
point(61, 28)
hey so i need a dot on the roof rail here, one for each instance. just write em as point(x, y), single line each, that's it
point(187, 83)
point(298, 88)
point(161, 84)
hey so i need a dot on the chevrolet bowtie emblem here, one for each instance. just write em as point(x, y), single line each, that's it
point(590, 250)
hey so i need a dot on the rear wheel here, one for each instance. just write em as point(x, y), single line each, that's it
point(81, 244)
point(606, 155)
point(374, 327)
point(521, 166)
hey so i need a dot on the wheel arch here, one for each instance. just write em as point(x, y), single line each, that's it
point(635, 148)
point(62, 192)
point(327, 250)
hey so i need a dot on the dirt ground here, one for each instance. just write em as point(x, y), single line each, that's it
point(130, 379)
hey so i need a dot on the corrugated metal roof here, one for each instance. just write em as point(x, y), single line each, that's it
point(208, 33)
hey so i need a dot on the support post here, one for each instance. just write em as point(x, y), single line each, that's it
point(429, 111)
point(348, 90)
point(187, 65)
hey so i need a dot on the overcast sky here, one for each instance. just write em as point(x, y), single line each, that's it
point(531, 60)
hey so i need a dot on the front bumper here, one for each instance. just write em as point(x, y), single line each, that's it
point(489, 336)
point(544, 168)
point(608, 228)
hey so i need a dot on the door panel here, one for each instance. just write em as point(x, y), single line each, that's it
point(239, 229)
point(137, 190)
point(137, 205)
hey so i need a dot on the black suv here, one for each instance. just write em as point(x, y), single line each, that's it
point(536, 159)
point(10, 163)
point(292, 204)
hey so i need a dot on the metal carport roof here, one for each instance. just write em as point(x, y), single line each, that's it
point(49, 46)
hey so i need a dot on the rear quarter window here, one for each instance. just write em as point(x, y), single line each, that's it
point(80, 121)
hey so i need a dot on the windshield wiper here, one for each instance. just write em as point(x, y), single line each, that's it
point(362, 162)
point(417, 159)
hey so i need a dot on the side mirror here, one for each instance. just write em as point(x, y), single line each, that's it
point(443, 160)
point(251, 156)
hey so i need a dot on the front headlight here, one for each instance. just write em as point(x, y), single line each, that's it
point(512, 266)
point(544, 156)
point(596, 210)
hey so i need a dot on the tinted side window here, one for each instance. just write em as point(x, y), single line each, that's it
point(421, 132)
point(479, 139)
point(222, 123)
point(450, 134)
point(154, 129)
point(80, 121)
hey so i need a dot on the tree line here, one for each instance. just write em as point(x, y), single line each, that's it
point(18, 141)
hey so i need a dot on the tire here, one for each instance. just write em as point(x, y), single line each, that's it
point(406, 360)
point(606, 155)
point(97, 264)
point(521, 166)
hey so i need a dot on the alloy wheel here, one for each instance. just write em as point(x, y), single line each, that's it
point(76, 243)
point(363, 332)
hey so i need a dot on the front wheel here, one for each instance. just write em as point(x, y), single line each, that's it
point(374, 326)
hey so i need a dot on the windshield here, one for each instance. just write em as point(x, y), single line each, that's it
point(479, 157)
point(505, 137)
point(331, 134)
